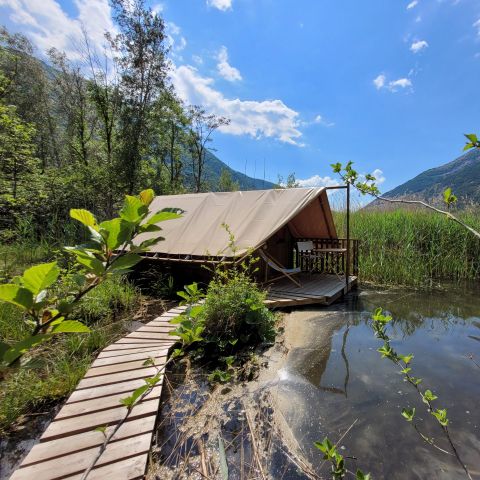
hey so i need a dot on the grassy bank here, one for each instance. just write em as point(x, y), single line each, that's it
point(61, 363)
point(414, 247)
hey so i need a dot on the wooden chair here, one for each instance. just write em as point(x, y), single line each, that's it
point(308, 252)
point(274, 265)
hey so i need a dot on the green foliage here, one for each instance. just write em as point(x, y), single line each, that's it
point(226, 182)
point(472, 142)
point(337, 461)
point(413, 247)
point(56, 367)
point(94, 262)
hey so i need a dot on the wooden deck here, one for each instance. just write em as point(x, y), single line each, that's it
point(70, 442)
point(317, 288)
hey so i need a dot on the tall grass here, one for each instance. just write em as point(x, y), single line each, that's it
point(414, 247)
point(58, 366)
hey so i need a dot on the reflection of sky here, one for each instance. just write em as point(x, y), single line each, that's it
point(384, 443)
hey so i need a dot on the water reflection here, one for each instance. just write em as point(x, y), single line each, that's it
point(332, 375)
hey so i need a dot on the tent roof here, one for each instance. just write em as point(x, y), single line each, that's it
point(252, 216)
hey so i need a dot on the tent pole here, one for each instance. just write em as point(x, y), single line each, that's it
point(347, 268)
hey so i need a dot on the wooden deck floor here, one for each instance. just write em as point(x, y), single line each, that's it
point(320, 289)
point(70, 442)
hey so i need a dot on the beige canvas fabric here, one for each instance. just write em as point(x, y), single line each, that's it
point(252, 216)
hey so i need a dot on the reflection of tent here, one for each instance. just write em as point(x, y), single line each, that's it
point(256, 218)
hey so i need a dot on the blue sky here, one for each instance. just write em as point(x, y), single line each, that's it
point(391, 85)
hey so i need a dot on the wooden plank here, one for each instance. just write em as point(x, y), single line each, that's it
point(149, 335)
point(143, 372)
point(74, 409)
point(124, 366)
point(128, 357)
point(90, 421)
point(82, 441)
point(105, 390)
point(76, 463)
point(129, 469)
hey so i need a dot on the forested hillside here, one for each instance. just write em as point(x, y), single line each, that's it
point(83, 132)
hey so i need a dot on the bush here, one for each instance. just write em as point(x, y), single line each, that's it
point(234, 310)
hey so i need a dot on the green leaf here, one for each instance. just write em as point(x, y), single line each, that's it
point(472, 137)
point(162, 217)
point(70, 326)
point(20, 348)
point(428, 396)
point(408, 414)
point(362, 476)
point(116, 232)
point(130, 401)
point(147, 196)
point(19, 296)
point(125, 262)
point(91, 263)
point(150, 242)
point(133, 209)
point(39, 277)
point(468, 146)
point(149, 228)
point(84, 216)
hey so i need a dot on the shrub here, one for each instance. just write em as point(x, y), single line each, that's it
point(234, 310)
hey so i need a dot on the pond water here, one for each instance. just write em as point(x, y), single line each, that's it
point(332, 377)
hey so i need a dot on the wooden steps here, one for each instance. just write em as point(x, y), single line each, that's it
point(70, 443)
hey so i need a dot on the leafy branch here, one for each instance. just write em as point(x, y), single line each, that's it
point(366, 185)
point(404, 362)
point(47, 300)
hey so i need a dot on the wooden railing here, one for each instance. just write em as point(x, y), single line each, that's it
point(329, 255)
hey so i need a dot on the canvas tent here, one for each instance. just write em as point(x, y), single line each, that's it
point(256, 218)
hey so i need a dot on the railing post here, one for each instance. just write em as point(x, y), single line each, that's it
point(347, 269)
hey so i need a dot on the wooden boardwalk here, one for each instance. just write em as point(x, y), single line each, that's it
point(317, 288)
point(70, 442)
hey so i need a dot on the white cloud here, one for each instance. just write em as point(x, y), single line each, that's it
point(412, 4)
point(318, 181)
point(176, 40)
point(416, 47)
point(48, 25)
point(380, 83)
point(268, 118)
point(225, 70)
point(379, 176)
point(477, 26)
point(319, 120)
point(197, 59)
point(222, 5)
point(400, 83)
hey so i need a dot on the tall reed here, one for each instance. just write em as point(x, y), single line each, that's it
point(413, 247)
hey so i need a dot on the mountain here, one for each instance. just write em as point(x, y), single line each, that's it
point(213, 170)
point(461, 174)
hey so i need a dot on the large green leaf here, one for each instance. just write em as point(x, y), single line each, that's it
point(84, 216)
point(39, 277)
point(23, 346)
point(116, 232)
point(70, 326)
point(20, 296)
point(91, 263)
point(125, 262)
point(149, 228)
point(147, 196)
point(133, 209)
point(162, 217)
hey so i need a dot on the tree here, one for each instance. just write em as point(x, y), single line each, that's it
point(169, 124)
point(226, 182)
point(141, 54)
point(202, 126)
